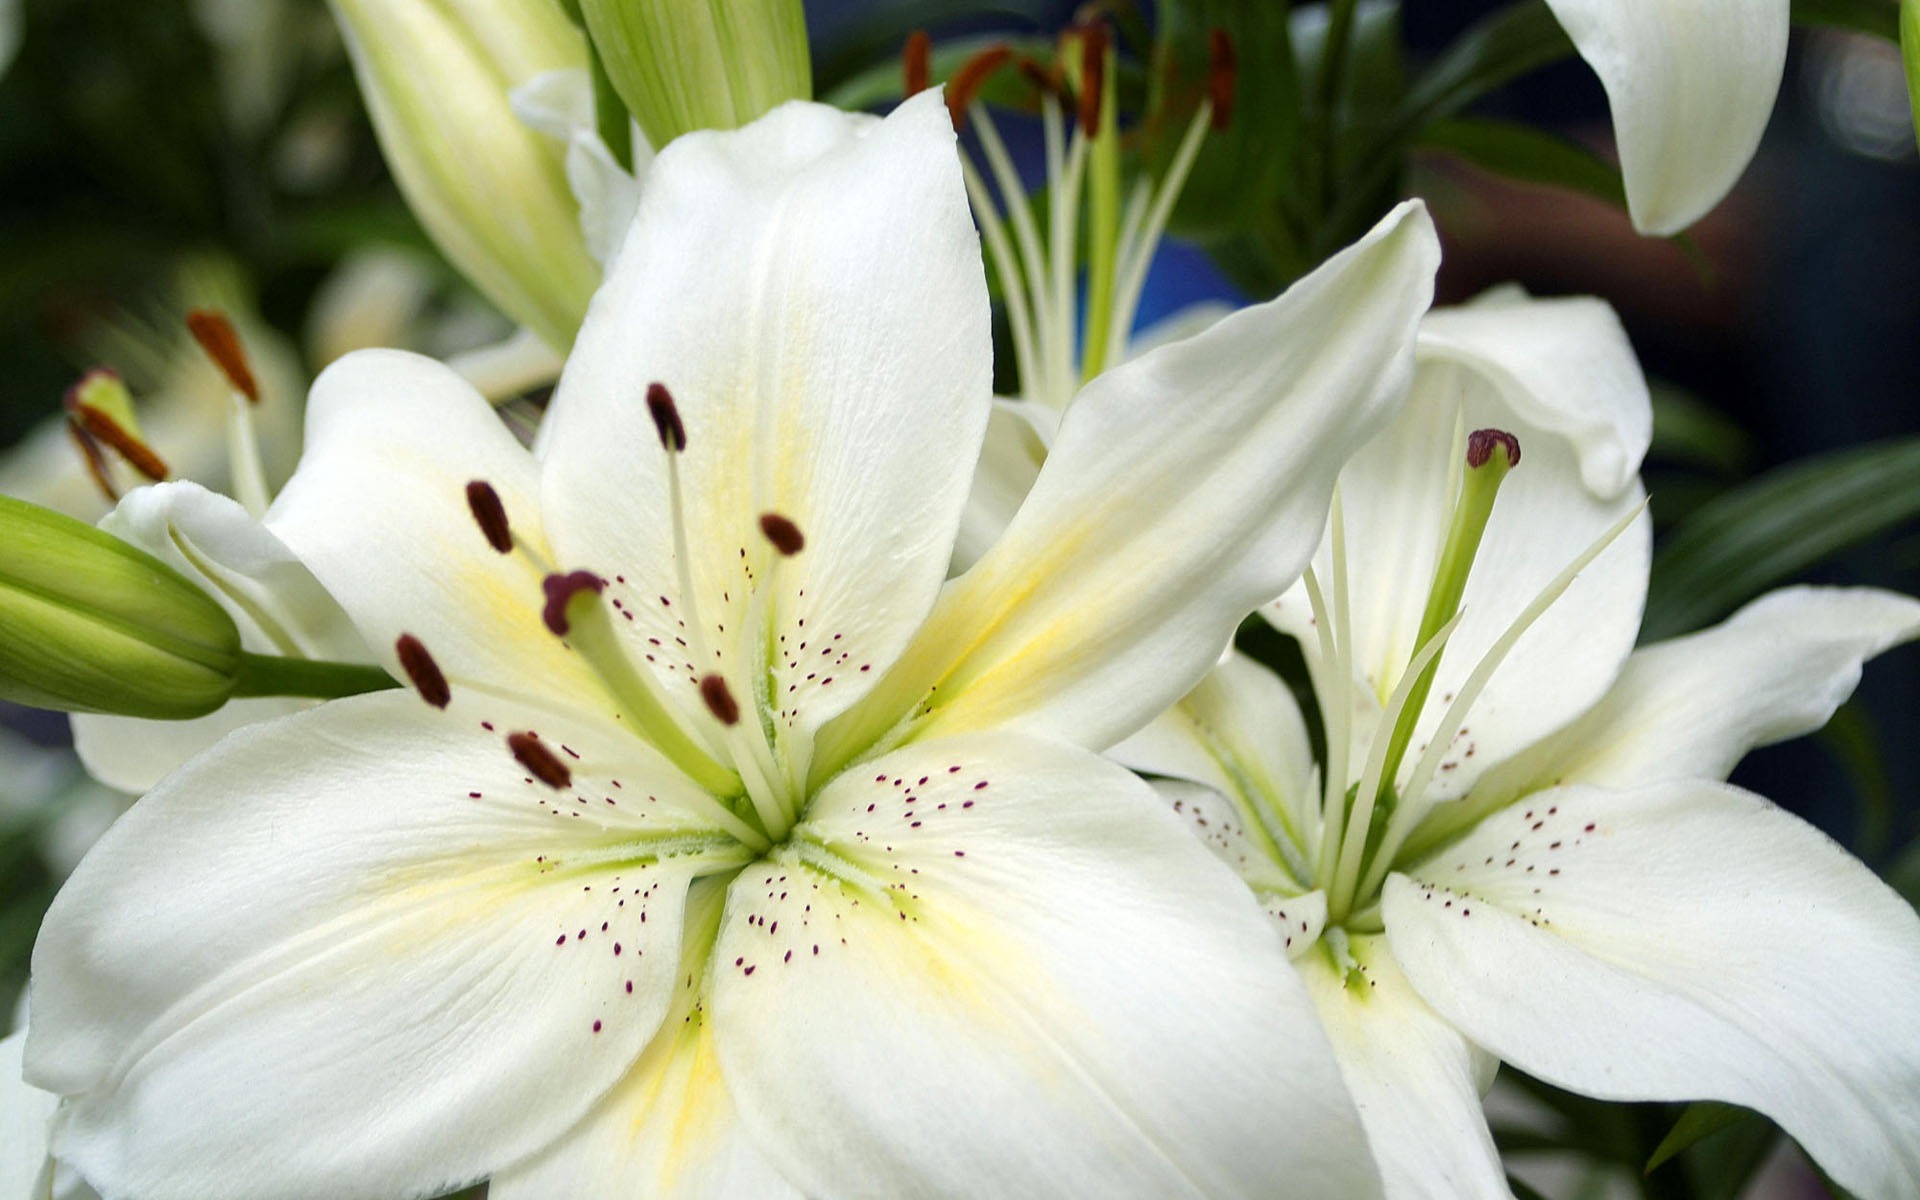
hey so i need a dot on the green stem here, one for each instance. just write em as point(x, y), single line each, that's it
point(270, 675)
point(1103, 224)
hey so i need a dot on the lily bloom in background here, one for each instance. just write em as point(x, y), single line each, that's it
point(722, 846)
point(1521, 849)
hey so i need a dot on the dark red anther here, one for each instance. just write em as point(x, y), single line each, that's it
point(217, 337)
point(540, 762)
point(970, 78)
point(1223, 76)
point(1480, 444)
point(98, 425)
point(784, 534)
point(490, 515)
point(560, 590)
point(917, 62)
point(1093, 74)
point(422, 670)
point(719, 699)
point(666, 418)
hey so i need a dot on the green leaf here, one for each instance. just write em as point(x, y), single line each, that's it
point(1689, 432)
point(1521, 1191)
point(1854, 741)
point(1699, 1120)
point(1904, 875)
point(1493, 51)
point(1878, 17)
point(1771, 529)
point(1527, 154)
point(1910, 51)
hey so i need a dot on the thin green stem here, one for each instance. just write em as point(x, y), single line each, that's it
point(271, 675)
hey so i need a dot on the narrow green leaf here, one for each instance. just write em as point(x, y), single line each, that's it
point(1910, 51)
point(1854, 741)
point(1527, 154)
point(1771, 529)
point(1878, 17)
point(1522, 1191)
point(1689, 432)
point(1493, 51)
point(1699, 1120)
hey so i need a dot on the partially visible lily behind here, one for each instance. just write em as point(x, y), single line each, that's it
point(722, 846)
point(1520, 847)
point(1691, 84)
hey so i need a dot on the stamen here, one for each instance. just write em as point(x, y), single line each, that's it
point(1093, 70)
point(1044, 81)
point(560, 590)
point(970, 78)
point(1481, 444)
point(90, 404)
point(217, 337)
point(422, 671)
point(96, 462)
point(666, 418)
point(784, 534)
point(719, 699)
point(1223, 76)
point(490, 515)
point(539, 761)
point(917, 62)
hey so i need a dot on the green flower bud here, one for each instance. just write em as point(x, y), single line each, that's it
point(89, 623)
point(682, 65)
point(491, 192)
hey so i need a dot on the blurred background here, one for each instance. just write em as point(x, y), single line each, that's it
point(160, 155)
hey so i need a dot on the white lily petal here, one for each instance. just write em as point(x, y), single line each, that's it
point(668, 1131)
point(1010, 458)
point(1239, 840)
point(510, 367)
point(1691, 84)
point(560, 104)
point(810, 290)
point(1691, 707)
point(378, 511)
point(1209, 459)
point(1683, 941)
point(373, 899)
point(1397, 507)
point(26, 1122)
point(1015, 938)
point(1415, 1080)
point(277, 604)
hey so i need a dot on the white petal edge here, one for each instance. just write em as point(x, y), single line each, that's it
point(1029, 981)
point(26, 1122)
point(372, 900)
point(1691, 84)
point(1683, 941)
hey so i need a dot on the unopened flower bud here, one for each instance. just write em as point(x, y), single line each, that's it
point(491, 192)
point(682, 65)
point(89, 623)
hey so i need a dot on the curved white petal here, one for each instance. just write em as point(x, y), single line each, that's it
point(1185, 488)
point(275, 602)
point(1500, 365)
point(358, 952)
point(26, 1122)
point(996, 966)
point(1682, 941)
point(1691, 84)
point(1010, 458)
point(1415, 1080)
point(668, 1131)
point(1691, 707)
point(378, 511)
point(810, 289)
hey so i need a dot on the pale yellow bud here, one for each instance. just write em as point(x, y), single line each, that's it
point(683, 65)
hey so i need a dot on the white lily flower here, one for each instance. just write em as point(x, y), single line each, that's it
point(785, 867)
point(26, 1122)
point(1554, 874)
point(1691, 84)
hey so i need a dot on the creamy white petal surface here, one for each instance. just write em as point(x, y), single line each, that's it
point(989, 933)
point(1083, 621)
point(1682, 941)
point(372, 898)
point(275, 602)
point(1691, 84)
point(26, 1121)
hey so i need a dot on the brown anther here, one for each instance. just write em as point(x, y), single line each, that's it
point(422, 670)
point(490, 515)
point(217, 337)
point(1223, 76)
point(719, 699)
point(970, 78)
point(560, 590)
point(96, 462)
point(1093, 74)
point(540, 762)
point(784, 534)
point(666, 418)
point(917, 62)
point(100, 427)
point(1043, 80)
point(1480, 444)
